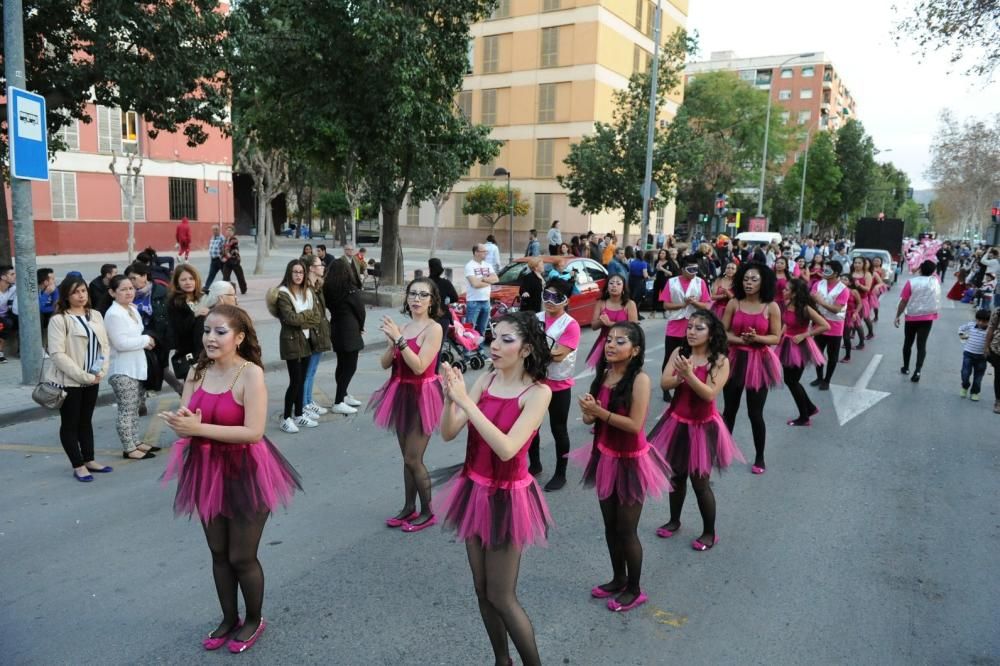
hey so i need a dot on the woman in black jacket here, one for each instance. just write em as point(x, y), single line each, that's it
point(347, 322)
point(186, 312)
point(531, 284)
point(446, 289)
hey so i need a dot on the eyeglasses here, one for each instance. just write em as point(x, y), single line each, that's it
point(553, 297)
point(421, 295)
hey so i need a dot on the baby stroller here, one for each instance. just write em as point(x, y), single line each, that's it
point(461, 347)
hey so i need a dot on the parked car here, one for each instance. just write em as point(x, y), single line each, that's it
point(589, 277)
point(884, 255)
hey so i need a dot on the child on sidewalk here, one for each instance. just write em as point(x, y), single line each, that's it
point(973, 334)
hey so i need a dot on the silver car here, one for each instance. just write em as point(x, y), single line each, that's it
point(884, 255)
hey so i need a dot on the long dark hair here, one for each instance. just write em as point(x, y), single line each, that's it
point(768, 281)
point(605, 295)
point(800, 298)
point(67, 287)
point(241, 323)
point(718, 343)
point(287, 283)
point(532, 334)
point(621, 394)
point(436, 309)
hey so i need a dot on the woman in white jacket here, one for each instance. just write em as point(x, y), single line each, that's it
point(128, 365)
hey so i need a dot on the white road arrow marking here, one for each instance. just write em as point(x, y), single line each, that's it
point(851, 401)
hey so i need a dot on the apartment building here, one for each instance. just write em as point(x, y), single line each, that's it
point(807, 92)
point(541, 73)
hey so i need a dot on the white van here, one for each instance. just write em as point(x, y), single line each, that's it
point(757, 237)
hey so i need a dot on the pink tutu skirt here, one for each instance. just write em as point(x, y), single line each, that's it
point(476, 507)
point(758, 367)
point(229, 480)
point(631, 479)
point(694, 447)
point(408, 406)
point(799, 355)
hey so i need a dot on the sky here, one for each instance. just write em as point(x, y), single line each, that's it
point(899, 98)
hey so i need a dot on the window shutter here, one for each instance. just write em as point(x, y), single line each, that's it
point(109, 129)
point(62, 187)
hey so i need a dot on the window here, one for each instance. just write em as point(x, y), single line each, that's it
point(183, 201)
point(543, 211)
point(502, 10)
point(470, 56)
point(808, 71)
point(138, 199)
point(806, 93)
point(551, 5)
point(828, 74)
point(784, 94)
point(544, 158)
point(413, 215)
point(763, 77)
point(804, 117)
point(465, 104)
point(547, 102)
point(62, 186)
point(785, 115)
point(650, 15)
point(69, 134)
point(638, 13)
point(461, 219)
point(488, 113)
point(550, 47)
point(660, 216)
point(747, 75)
point(491, 54)
point(109, 136)
point(486, 169)
point(130, 132)
point(786, 72)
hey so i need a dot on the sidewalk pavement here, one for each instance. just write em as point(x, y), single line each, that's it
point(17, 405)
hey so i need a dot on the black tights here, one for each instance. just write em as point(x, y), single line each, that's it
point(347, 365)
point(416, 480)
point(849, 332)
point(494, 574)
point(733, 392)
point(831, 345)
point(706, 504)
point(919, 331)
point(234, 543)
point(296, 382)
point(995, 362)
point(621, 523)
point(793, 380)
point(670, 343)
point(558, 416)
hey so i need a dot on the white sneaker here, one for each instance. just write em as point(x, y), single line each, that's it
point(305, 422)
point(288, 425)
point(316, 409)
point(352, 401)
point(344, 408)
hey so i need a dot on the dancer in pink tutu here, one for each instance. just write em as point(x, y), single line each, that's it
point(411, 401)
point(691, 435)
point(781, 277)
point(684, 294)
point(722, 290)
point(494, 504)
point(864, 281)
point(614, 306)
point(226, 469)
point(852, 321)
point(797, 348)
point(621, 465)
point(753, 326)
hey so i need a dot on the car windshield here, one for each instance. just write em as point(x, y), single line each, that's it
point(512, 273)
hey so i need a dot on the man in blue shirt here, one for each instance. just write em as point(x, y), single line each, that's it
point(47, 297)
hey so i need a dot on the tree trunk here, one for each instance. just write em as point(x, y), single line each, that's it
point(262, 237)
point(5, 252)
point(309, 211)
point(392, 250)
point(272, 236)
point(434, 230)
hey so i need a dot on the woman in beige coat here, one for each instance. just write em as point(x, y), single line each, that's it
point(80, 354)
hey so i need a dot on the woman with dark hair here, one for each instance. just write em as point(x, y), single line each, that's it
point(297, 314)
point(797, 348)
point(410, 402)
point(621, 465)
point(319, 337)
point(852, 320)
point(691, 435)
point(227, 470)
point(564, 250)
point(815, 270)
point(864, 283)
point(80, 354)
point(613, 307)
point(564, 332)
point(554, 237)
point(782, 276)
point(661, 272)
point(920, 300)
point(722, 289)
point(830, 296)
point(684, 294)
point(347, 321)
point(531, 283)
point(753, 326)
point(494, 504)
point(446, 290)
point(638, 272)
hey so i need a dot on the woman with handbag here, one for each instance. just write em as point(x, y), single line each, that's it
point(128, 366)
point(186, 311)
point(79, 350)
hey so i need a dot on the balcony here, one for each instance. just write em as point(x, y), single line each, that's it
point(827, 84)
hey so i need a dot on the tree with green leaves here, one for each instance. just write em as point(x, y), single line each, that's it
point(606, 169)
point(822, 195)
point(491, 203)
point(962, 26)
point(856, 159)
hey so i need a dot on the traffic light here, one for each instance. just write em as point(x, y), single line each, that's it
point(721, 204)
point(995, 215)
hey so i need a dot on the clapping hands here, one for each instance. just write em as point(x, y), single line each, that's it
point(183, 421)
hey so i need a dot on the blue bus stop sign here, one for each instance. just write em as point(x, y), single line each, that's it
point(29, 149)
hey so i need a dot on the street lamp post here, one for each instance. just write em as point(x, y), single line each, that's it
point(802, 191)
point(500, 171)
point(767, 130)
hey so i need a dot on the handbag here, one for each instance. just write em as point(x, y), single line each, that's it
point(181, 365)
point(47, 394)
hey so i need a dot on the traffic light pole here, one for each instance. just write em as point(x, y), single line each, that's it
point(647, 182)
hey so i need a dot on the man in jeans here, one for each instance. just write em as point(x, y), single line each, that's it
point(479, 275)
point(214, 256)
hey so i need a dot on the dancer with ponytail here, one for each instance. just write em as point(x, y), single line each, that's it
point(852, 320)
point(781, 277)
point(830, 297)
point(684, 295)
point(494, 504)
point(722, 289)
point(226, 469)
point(614, 306)
point(863, 280)
point(753, 327)
point(411, 401)
point(621, 465)
point(691, 435)
point(797, 348)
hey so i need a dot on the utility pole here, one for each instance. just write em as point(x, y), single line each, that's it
point(24, 224)
point(647, 183)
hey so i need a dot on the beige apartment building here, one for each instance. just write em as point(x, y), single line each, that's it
point(541, 73)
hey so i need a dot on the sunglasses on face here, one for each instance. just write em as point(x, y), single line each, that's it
point(552, 297)
point(690, 270)
point(418, 295)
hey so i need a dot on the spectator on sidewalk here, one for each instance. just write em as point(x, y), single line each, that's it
point(361, 258)
point(534, 248)
point(325, 256)
point(160, 268)
point(479, 275)
point(354, 277)
point(214, 256)
point(100, 299)
point(80, 354)
point(973, 335)
point(554, 238)
point(297, 314)
point(618, 265)
point(319, 340)
point(128, 368)
point(8, 306)
point(220, 292)
point(347, 324)
point(493, 253)
point(231, 261)
point(183, 238)
point(186, 312)
point(151, 302)
point(47, 297)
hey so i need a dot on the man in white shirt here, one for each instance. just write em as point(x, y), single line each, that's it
point(479, 275)
point(8, 306)
point(493, 253)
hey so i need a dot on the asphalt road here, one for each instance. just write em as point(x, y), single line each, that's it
point(874, 542)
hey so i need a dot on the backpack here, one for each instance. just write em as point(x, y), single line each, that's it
point(271, 299)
